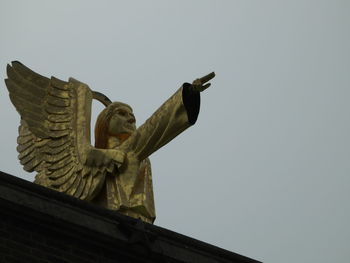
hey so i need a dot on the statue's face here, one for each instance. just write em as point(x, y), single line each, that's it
point(122, 120)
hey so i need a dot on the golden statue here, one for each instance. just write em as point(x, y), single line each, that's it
point(54, 139)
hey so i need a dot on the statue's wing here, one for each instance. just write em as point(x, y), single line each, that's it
point(54, 135)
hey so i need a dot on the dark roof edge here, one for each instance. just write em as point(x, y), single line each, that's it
point(98, 216)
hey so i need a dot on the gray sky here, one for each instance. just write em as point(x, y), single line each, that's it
point(265, 170)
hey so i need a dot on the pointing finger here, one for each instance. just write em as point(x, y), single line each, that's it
point(208, 77)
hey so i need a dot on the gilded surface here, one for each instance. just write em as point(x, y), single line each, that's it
point(54, 140)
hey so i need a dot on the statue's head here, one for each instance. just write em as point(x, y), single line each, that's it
point(116, 119)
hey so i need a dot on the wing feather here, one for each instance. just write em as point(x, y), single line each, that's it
point(23, 147)
point(59, 84)
point(34, 164)
point(55, 158)
point(33, 109)
point(29, 148)
point(29, 75)
point(51, 109)
point(78, 188)
point(71, 183)
point(20, 76)
point(57, 142)
point(60, 126)
point(27, 151)
point(54, 175)
point(63, 180)
point(59, 102)
point(60, 118)
point(26, 159)
point(17, 91)
point(87, 187)
point(61, 163)
point(23, 139)
point(57, 149)
point(62, 94)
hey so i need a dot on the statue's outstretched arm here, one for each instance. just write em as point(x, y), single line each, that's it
point(178, 113)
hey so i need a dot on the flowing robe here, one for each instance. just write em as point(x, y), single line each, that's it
point(130, 191)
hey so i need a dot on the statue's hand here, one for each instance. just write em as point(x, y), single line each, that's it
point(201, 83)
point(105, 157)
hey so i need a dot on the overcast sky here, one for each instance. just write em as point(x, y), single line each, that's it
point(265, 170)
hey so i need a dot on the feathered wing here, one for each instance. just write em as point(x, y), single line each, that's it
point(54, 135)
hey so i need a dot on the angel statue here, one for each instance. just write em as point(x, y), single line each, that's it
point(54, 139)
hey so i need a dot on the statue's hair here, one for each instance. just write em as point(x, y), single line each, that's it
point(102, 123)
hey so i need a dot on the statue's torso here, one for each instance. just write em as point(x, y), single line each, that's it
point(130, 190)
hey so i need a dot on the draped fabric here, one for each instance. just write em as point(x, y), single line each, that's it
point(131, 191)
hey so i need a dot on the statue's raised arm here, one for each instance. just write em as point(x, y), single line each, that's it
point(176, 114)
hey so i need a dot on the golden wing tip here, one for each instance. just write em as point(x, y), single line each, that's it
point(19, 67)
point(8, 68)
point(16, 62)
